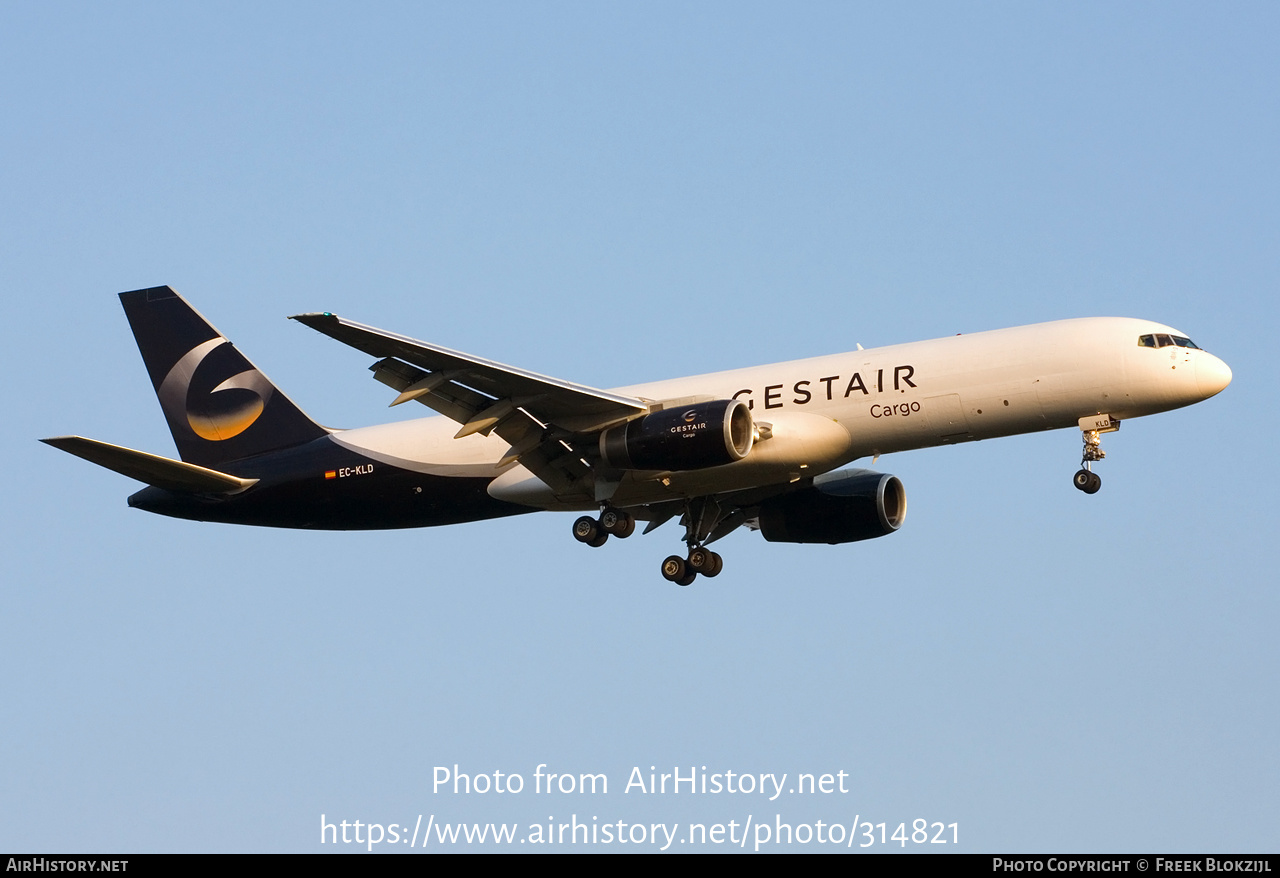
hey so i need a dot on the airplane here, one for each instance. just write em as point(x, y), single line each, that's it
point(765, 447)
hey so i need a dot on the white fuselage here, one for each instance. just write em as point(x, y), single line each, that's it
point(824, 412)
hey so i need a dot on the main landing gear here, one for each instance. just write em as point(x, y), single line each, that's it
point(682, 571)
point(704, 521)
point(612, 522)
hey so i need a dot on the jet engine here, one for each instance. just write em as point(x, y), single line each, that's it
point(688, 437)
point(841, 507)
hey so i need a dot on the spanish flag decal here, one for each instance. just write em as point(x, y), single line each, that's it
point(331, 474)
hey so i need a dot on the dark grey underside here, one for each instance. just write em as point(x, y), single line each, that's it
point(292, 491)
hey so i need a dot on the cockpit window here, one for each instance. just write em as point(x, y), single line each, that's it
point(1162, 340)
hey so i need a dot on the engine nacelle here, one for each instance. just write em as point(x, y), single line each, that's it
point(687, 437)
point(841, 507)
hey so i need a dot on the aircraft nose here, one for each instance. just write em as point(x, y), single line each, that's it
point(1212, 375)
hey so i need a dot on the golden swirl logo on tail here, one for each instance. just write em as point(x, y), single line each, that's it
point(228, 410)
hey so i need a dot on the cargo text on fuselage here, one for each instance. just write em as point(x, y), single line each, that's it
point(831, 387)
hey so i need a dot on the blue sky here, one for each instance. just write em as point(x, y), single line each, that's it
point(612, 194)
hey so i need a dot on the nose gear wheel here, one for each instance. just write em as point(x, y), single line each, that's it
point(1087, 481)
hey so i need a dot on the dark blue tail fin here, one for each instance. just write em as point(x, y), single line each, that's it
point(219, 407)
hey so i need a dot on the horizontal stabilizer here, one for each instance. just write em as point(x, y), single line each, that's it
point(162, 472)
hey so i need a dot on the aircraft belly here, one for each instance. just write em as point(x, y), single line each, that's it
point(324, 485)
point(409, 500)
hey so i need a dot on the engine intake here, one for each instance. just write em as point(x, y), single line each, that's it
point(841, 507)
point(687, 437)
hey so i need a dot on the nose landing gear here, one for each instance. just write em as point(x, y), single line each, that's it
point(1092, 427)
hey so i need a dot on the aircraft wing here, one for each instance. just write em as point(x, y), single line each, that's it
point(536, 414)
